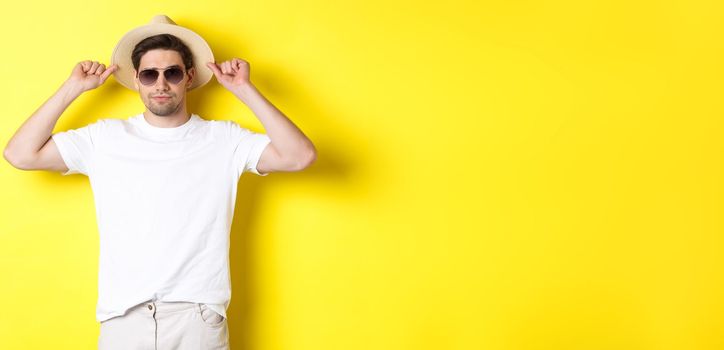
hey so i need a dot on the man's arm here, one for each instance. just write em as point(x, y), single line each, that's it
point(290, 149)
point(32, 148)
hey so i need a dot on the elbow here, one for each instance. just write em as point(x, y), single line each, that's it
point(10, 158)
point(6, 155)
point(307, 159)
point(15, 161)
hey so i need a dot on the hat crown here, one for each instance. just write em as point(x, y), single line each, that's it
point(162, 19)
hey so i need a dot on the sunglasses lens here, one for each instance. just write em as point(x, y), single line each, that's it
point(148, 77)
point(173, 75)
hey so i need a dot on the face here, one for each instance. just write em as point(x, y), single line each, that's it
point(163, 98)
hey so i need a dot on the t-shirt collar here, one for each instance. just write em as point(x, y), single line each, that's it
point(146, 126)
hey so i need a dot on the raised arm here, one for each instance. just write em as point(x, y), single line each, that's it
point(290, 149)
point(31, 147)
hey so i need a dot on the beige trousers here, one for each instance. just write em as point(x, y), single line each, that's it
point(156, 325)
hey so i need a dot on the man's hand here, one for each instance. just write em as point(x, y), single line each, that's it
point(88, 75)
point(232, 74)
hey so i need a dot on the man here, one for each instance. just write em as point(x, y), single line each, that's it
point(164, 183)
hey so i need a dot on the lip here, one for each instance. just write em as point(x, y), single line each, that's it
point(162, 98)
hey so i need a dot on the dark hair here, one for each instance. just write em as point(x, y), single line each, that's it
point(165, 42)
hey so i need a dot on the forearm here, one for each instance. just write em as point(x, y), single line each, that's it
point(38, 128)
point(288, 140)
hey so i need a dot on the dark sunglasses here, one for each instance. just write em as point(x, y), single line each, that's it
point(173, 75)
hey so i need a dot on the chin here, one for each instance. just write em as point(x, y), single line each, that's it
point(162, 112)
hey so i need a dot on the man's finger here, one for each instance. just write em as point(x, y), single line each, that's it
point(214, 68)
point(107, 73)
point(93, 68)
point(100, 69)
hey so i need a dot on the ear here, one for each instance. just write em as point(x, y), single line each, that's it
point(192, 74)
point(135, 80)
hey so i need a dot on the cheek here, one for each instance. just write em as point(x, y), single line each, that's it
point(144, 96)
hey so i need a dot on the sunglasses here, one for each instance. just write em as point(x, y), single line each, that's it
point(173, 75)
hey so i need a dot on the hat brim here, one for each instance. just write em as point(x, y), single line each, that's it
point(198, 46)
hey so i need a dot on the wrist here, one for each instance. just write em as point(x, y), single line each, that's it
point(72, 87)
point(70, 90)
point(244, 91)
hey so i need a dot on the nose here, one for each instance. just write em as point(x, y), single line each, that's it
point(161, 82)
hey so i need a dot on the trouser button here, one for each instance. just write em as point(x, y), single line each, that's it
point(150, 307)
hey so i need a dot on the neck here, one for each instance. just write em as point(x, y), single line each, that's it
point(178, 118)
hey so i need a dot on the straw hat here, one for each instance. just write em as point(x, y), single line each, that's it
point(161, 24)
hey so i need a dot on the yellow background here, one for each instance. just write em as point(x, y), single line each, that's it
point(491, 174)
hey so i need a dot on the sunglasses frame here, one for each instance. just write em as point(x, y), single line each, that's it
point(158, 74)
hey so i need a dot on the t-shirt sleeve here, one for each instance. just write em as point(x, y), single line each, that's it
point(248, 146)
point(76, 147)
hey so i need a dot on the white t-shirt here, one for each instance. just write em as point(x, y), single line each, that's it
point(164, 201)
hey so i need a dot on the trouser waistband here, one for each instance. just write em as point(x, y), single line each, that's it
point(164, 306)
